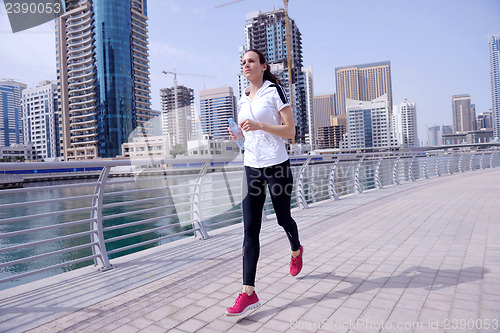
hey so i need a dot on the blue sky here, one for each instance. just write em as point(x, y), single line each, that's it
point(436, 48)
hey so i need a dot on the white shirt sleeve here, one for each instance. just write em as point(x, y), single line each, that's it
point(279, 98)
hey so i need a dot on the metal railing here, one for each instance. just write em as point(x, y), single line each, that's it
point(59, 226)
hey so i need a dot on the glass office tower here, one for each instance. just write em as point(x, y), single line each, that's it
point(103, 75)
point(10, 112)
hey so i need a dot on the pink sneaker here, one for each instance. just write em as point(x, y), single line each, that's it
point(296, 263)
point(243, 303)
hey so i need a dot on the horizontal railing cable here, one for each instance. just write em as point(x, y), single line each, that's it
point(45, 241)
point(44, 228)
point(42, 215)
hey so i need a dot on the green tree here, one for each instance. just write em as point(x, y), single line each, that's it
point(178, 149)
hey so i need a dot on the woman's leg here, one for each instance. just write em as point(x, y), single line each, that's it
point(280, 181)
point(253, 204)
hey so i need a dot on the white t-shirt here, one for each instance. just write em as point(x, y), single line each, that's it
point(263, 149)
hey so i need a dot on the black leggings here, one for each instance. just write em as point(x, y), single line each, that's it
point(280, 180)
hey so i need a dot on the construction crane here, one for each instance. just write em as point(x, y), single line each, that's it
point(174, 73)
point(228, 3)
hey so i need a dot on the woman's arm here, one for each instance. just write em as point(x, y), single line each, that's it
point(287, 130)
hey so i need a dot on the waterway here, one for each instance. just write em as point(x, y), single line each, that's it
point(170, 200)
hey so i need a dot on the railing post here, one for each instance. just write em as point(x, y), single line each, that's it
point(357, 184)
point(449, 164)
point(471, 162)
point(437, 166)
point(332, 192)
point(301, 196)
point(395, 176)
point(491, 159)
point(198, 227)
point(481, 161)
point(426, 174)
point(97, 237)
point(410, 169)
point(377, 173)
point(460, 166)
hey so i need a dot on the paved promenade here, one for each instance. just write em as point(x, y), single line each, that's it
point(419, 257)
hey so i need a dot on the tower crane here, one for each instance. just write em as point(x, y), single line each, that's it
point(228, 3)
point(174, 73)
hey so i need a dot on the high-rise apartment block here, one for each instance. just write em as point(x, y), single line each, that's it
point(324, 109)
point(40, 122)
point(484, 120)
point(330, 137)
point(368, 124)
point(103, 76)
point(434, 137)
point(405, 124)
point(216, 106)
point(363, 83)
point(11, 112)
point(266, 32)
point(435, 134)
point(494, 47)
point(178, 114)
point(311, 136)
point(464, 117)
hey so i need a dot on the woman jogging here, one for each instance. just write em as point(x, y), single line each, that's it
point(265, 116)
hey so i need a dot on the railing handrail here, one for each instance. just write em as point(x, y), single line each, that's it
point(317, 177)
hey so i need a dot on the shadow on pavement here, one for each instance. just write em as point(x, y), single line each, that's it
point(413, 277)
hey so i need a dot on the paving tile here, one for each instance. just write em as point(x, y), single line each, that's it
point(126, 329)
point(141, 323)
point(168, 323)
point(191, 325)
point(219, 325)
point(152, 329)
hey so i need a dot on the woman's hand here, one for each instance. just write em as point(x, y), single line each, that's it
point(234, 136)
point(286, 130)
point(250, 125)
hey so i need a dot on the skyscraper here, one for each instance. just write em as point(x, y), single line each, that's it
point(103, 75)
point(494, 45)
point(312, 129)
point(216, 105)
point(484, 120)
point(405, 124)
point(463, 118)
point(40, 124)
point(178, 114)
point(363, 83)
point(10, 112)
point(324, 109)
point(434, 137)
point(266, 32)
point(368, 124)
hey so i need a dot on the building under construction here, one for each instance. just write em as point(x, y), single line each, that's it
point(266, 32)
point(178, 114)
